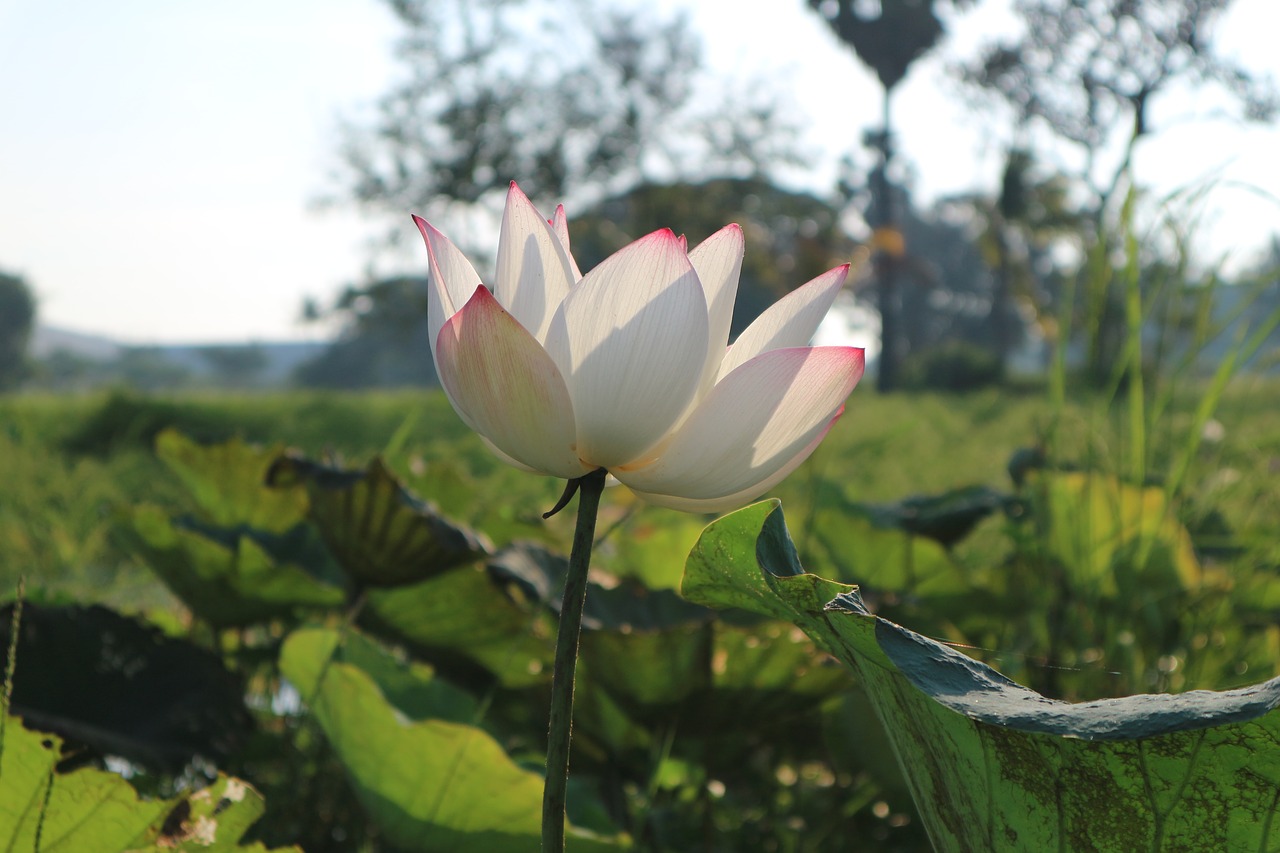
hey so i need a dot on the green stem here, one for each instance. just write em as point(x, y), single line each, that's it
point(575, 595)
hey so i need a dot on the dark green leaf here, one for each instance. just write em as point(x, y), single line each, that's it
point(946, 518)
point(157, 701)
point(379, 533)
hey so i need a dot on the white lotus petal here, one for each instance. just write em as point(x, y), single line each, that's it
point(560, 225)
point(630, 340)
point(508, 387)
point(718, 262)
point(751, 424)
point(452, 279)
point(789, 322)
point(747, 495)
point(509, 460)
point(533, 273)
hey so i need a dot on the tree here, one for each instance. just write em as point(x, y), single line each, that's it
point(148, 369)
point(1022, 230)
point(888, 36)
point(1089, 71)
point(17, 320)
point(573, 100)
point(576, 101)
point(384, 342)
point(236, 365)
point(790, 237)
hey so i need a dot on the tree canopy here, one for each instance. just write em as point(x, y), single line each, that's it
point(574, 102)
point(17, 321)
point(1088, 69)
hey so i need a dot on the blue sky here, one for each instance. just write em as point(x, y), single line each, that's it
point(158, 159)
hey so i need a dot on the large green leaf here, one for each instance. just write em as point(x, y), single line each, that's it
point(995, 766)
point(228, 481)
point(92, 810)
point(379, 533)
point(430, 784)
point(411, 686)
point(227, 578)
point(469, 617)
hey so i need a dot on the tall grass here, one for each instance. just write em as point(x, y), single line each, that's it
point(1141, 433)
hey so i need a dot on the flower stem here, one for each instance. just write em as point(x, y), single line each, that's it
point(590, 487)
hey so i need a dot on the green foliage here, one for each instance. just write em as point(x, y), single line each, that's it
point(1116, 539)
point(465, 616)
point(44, 808)
point(431, 783)
point(228, 482)
point(17, 319)
point(226, 578)
point(956, 366)
point(995, 766)
point(384, 344)
point(686, 722)
point(126, 420)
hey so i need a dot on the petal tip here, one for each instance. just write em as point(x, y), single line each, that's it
point(515, 195)
point(424, 227)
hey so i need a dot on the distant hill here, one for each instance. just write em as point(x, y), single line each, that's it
point(279, 359)
point(78, 360)
point(46, 340)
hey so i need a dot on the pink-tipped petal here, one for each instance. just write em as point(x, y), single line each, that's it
point(718, 262)
point(533, 273)
point(508, 387)
point(751, 425)
point(560, 225)
point(452, 280)
point(630, 341)
point(789, 322)
point(746, 496)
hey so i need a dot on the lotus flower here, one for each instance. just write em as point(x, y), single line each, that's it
point(628, 368)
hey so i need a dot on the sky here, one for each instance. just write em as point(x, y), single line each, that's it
point(159, 161)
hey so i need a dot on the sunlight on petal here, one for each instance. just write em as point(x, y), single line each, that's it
point(718, 262)
point(630, 341)
point(752, 424)
point(509, 387)
point(533, 273)
point(789, 322)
